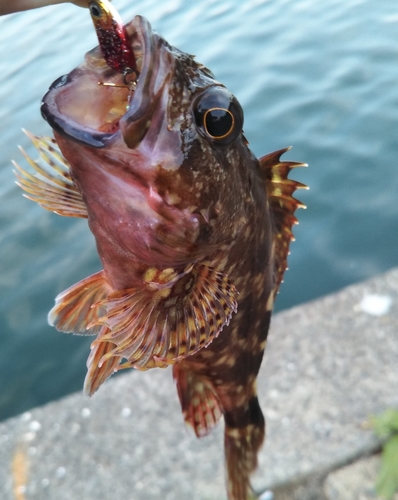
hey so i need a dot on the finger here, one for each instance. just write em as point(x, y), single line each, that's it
point(10, 6)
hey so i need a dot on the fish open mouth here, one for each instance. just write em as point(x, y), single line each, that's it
point(93, 104)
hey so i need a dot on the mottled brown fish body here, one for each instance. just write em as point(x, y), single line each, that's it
point(192, 230)
point(229, 366)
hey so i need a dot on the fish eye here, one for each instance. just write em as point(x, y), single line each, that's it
point(95, 10)
point(218, 115)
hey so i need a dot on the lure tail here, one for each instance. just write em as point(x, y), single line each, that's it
point(242, 444)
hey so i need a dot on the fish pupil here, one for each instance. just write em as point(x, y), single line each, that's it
point(218, 122)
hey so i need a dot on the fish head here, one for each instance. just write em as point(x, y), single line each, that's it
point(158, 154)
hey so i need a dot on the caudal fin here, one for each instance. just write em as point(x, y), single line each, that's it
point(242, 444)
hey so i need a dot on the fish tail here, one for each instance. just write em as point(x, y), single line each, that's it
point(242, 444)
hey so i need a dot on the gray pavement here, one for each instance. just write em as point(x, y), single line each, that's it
point(329, 364)
point(355, 481)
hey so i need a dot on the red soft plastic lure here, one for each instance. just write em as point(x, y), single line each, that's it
point(112, 37)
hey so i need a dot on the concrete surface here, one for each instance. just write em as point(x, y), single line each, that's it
point(329, 365)
point(354, 482)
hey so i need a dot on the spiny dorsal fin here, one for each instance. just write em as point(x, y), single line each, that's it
point(52, 186)
point(282, 206)
point(200, 404)
point(170, 318)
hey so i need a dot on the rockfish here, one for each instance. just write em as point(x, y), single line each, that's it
point(193, 231)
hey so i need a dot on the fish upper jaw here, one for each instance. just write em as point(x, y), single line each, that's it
point(148, 104)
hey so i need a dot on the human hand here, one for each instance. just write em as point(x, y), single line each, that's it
point(9, 6)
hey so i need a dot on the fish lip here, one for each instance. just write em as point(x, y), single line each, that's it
point(65, 127)
point(141, 35)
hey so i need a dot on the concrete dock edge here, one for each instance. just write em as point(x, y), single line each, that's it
point(328, 366)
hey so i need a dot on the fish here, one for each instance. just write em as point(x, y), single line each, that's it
point(192, 230)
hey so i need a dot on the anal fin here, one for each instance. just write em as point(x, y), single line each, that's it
point(199, 401)
point(51, 186)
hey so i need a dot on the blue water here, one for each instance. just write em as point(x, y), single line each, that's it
point(320, 76)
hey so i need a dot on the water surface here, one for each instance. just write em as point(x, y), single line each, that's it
point(320, 76)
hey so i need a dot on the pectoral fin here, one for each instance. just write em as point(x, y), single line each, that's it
point(171, 317)
point(51, 186)
point(74, 311)
point(98, 373)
